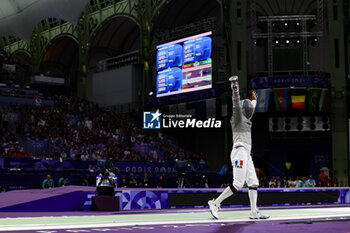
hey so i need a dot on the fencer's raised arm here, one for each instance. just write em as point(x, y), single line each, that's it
point(236, 109)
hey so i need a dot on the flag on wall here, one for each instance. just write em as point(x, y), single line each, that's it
point(314, 95)
point(262, 103)
point(298, 97)
point(281, 99)
point(323, 100)
point(298, 101)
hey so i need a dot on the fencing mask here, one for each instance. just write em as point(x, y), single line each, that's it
point(248, 107)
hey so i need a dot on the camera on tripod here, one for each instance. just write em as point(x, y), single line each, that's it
point(181, 166)
point(106, 180)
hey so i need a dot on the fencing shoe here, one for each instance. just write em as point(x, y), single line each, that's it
point(258, 215)
point(213, 209)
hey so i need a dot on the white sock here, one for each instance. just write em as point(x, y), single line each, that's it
point(225, 194)
point(253, 198)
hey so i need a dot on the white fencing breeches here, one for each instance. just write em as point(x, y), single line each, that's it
point(243, 167)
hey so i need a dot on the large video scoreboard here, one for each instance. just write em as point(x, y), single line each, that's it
point(184, 65)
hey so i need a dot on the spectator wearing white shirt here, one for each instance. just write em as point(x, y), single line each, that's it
point(291, 183)
point(311, 182)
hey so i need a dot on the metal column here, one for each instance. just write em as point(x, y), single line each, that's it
point(338, 89)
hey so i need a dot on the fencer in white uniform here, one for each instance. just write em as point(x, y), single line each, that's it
point(243, 167)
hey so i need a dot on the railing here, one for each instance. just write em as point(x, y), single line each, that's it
point(118, 61)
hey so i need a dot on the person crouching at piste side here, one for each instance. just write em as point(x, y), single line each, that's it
point(243, 167)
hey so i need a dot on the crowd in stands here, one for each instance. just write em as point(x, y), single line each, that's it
point(16, 91)
point(140, 180)
point(322, 180)
point(10, 146)
point(34, 91)
point(79, 130)
point(288, 182)
point(303, 182)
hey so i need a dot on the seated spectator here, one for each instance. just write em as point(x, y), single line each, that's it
point(311, 182)
point(132, 181)
point(322, 178)
point(91, 168)
point(329, 182)
point(285, 182)
point(153, 155)
point(145, 182)
point(63, 155)
point(38, 101)
point(291, 183)
point(297, 181)
point(88, 123)
point(302, 183)
point(161, 182)
point(2, 189)
point(272, 183)
point(48, 182)
point(264, 183)
point(84, 156)
point(278, 182)
point(63, 181)
point(341, 183)
point(320, 181)
point(123, 183)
